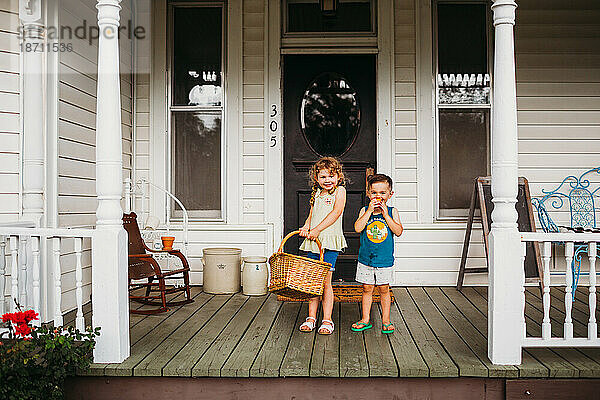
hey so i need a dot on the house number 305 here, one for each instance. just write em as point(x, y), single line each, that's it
point(273, 125)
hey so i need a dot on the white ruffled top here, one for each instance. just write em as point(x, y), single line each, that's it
point(332, 237)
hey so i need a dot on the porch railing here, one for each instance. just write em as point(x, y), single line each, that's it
point(571, 242)
point(27, 263)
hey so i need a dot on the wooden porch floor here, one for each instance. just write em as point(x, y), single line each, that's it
point(440, 332)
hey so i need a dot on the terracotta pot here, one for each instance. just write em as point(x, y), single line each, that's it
point(167, 242)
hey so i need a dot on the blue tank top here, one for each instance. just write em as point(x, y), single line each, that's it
point(377, 242)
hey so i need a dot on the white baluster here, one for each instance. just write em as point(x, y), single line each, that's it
point(14, 272)
point(568, 326)
point(592, 327)
point(546, 326)
point(35, 254)
point(23, 271)
point(522, 282)
point(2, 273)
point(58, 319)
point(79, 321)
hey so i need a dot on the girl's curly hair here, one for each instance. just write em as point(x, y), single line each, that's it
point(331, 164)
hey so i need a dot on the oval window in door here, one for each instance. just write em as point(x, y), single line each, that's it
point(330, 114)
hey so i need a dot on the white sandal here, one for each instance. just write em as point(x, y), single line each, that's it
point(309, 323)
point(329, 328)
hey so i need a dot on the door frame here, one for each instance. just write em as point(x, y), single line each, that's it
point(273, 94)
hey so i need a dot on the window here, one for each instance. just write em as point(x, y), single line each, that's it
point(196, 108)
point(330, 115)
point(463, 103)
point(329, 16)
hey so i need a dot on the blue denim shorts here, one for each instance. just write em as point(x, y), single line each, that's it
point(329, 256)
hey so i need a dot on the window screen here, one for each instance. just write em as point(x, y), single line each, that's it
point(463, 99)
point(197, 109)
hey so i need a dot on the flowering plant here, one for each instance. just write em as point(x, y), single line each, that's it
point(35, 361)
point(19, 323)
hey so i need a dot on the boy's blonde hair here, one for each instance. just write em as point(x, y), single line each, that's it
point(331, 164)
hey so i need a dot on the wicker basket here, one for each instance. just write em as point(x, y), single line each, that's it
point(295, 276)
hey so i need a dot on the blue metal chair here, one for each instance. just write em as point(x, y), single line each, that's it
point(582, 209)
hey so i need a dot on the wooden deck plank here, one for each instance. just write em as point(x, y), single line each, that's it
point(149, 322)
point(382, 362)
point(325, 360)
point(155, 337)
point(241, 358)
point(143, 325)
point(580, 312)
point(134, 319)
point(269, 359)
point(409, 360)
point(557, 366)
point(296, 361)
point(213, 359)
point(580, 303)
point(438, 361)
point(468, 363)
point(353, 355)
point(472, 337)
point(155, 361)
point(530, 367)
point(183, 362)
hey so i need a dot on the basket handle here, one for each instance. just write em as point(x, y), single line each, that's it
point(289, 235)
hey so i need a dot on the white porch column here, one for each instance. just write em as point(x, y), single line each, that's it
point(505, 303)
point(30, 14)
point(110, 300)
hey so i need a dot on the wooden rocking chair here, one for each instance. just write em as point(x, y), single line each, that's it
point(142, 265)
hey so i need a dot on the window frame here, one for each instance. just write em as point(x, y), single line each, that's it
point(286, 35)
point(448, 215)
point(195, 215)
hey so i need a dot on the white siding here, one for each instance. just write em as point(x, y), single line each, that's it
point(558, 99)
point(77, 136)
point(143, 66)
point(558, 91)
point(77, 115)
point(405, 129)
point(254, 240)
point(253, 202)
point(10, 124)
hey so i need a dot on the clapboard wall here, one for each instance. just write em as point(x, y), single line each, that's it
point(557, 47)
point(76, 122)
point(253, 160)
point(558, 91)
point(405, 114)
point(10, 125)
point(77, 114)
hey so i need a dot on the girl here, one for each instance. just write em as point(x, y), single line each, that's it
point(324, 222)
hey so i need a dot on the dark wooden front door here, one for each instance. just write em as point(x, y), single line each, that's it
point(329, 110)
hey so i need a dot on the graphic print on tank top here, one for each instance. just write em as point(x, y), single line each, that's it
point(377, 231)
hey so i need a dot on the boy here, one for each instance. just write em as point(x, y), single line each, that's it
point(376, 253)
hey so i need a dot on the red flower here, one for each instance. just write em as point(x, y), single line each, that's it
point(22, 330)
point(20, 321)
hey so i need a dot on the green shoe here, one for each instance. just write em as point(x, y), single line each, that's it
point(361, 326)
point(387, 328)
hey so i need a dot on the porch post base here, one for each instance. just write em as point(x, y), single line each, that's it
point(505, 300)
point(110, 297)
